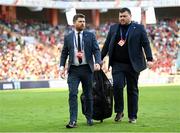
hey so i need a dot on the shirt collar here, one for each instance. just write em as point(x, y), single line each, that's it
point(76, 32)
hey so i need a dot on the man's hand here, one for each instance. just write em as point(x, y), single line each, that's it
point(105, 68)
point(149, 64)
point(62, 74)
point(97, 67)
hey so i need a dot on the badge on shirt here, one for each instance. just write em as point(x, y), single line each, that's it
point(121, 42)
point(79, 55)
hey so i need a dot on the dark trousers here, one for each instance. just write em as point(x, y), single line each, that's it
point(123, 74)
point(76, 75)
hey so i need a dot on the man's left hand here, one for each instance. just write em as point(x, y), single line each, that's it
point(149, 64)
point(97, 67)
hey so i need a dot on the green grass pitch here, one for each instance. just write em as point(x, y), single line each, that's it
point(46, 110)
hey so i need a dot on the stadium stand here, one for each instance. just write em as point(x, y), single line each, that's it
point(30, 48)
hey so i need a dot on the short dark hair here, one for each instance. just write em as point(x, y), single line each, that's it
point(79, 15)
point(125, 10)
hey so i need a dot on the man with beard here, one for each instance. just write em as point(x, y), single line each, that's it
point(125, 43)
point(80, 46)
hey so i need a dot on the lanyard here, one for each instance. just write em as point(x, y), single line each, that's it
point(126, 33)
point(76, 43)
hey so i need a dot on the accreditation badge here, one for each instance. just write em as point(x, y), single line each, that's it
point(79, 54)
point(121, 42)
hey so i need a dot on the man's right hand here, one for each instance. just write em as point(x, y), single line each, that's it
point(62, 74)
point(105, 68)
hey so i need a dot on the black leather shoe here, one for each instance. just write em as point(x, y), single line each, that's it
point(71, 124)
point(133, 120)
point(119, 117)
point(89, 122)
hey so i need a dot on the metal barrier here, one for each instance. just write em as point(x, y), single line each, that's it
point(10, 85)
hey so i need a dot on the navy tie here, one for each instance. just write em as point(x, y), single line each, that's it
point(79, 47)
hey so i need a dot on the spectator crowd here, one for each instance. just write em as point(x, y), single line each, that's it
point(30, 50)
point(165, 39)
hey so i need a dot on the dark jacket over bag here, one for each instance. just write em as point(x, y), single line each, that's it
point(102, 97)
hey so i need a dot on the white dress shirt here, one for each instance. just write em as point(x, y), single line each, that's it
point(76, 62)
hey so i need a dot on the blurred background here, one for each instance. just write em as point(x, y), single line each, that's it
point(32, 34)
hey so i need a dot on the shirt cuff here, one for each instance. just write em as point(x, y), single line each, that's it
point(61, 68)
